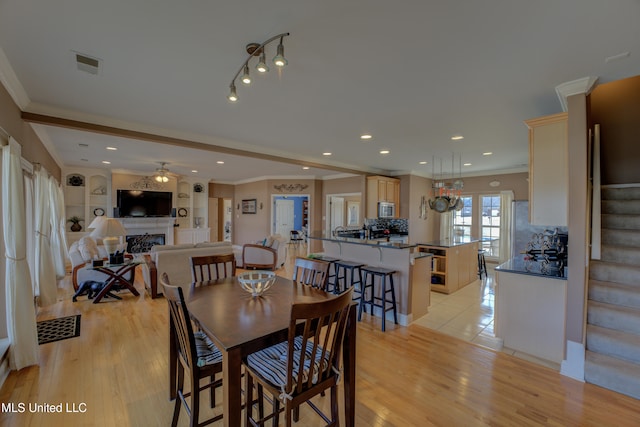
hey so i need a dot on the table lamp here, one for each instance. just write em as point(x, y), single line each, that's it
point(109, 229)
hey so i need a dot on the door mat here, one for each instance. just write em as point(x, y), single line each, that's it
point(58, 329)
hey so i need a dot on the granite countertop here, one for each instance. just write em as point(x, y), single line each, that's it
point(320, 235)
point(519, 265)
point(449, 243)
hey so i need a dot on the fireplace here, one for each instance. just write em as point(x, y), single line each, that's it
point(139, 243)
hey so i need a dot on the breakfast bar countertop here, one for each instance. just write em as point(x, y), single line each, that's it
point(449, 243)
point(321, 235)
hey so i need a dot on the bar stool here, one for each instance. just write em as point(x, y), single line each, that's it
point(383, 300)
point(333, 270)
point(355, 276)
point(482, 264)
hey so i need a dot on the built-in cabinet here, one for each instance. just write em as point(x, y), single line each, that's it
point(548, 170)
point(192, 211)
point(87, 194)
point(453, 267)
point(382, 189)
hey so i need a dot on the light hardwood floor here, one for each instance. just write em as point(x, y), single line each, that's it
point(407, 376)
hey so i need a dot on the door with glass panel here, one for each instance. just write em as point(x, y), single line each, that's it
point(463, 220)
point(490, 225)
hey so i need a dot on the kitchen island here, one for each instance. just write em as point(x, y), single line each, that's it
point(455, 263)
point(413, 269)
point(530, 310)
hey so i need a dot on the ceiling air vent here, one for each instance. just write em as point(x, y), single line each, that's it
point(87, 63)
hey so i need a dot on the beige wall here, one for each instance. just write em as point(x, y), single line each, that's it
point(412, 189)
point(32, 148)
point(251, 227)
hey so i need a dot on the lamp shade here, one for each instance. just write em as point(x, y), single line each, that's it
point(109, 229)
point(94, 224)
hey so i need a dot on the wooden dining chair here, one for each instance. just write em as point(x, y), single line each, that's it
point(305, 365)
point(212, 267)
point(196, 354)
point(311, 272)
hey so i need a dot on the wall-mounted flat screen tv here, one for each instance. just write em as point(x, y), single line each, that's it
point(137, 203)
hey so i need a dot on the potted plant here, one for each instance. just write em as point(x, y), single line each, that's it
point(75, 223)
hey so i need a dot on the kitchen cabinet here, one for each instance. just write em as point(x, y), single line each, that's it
point(192, 235)
point(454, 266)
point(548, 170)
point(382, 189)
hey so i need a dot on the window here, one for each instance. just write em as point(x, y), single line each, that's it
point(490, 225)
point(463, 219)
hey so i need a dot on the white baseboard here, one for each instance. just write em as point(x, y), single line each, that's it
point(573, 365)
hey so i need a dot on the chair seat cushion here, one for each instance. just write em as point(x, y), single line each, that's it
point(271, 363)
point(208, 353)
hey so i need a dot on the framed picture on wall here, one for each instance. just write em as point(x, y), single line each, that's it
point(249, 206)
point(353, 213)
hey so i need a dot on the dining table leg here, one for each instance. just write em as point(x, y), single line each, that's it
point(232, 387)
point(349, 363)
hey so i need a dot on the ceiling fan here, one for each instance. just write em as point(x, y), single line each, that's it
point(161, 173)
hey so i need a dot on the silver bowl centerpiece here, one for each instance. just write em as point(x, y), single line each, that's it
point(257, 282)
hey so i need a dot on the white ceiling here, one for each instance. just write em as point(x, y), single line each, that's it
point(411, 73)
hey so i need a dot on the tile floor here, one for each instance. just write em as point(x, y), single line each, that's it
point(468, 314)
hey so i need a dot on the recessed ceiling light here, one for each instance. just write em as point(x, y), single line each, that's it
point(384, 151)
point(106, 162)
point(423, 163)
point(457, 137)
point(220, 162)
point(305, 167)
point(366, 136)
point(467, 164)
point(326, 153)
point(194, 171)
point(112, 148)
point(487, 153)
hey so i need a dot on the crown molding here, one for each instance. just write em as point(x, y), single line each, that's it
point(11, 83)
point(574, 87)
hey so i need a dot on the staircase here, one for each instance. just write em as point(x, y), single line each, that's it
point(613, 309)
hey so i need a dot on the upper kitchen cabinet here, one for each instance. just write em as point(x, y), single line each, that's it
point(548, 171)
point(382, 189)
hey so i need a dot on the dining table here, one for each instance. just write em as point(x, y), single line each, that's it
point(240, 324)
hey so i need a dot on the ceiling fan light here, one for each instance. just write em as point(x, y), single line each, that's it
point(279, 59)
point(262, 65)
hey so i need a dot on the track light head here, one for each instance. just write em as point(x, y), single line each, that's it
point(279, 59)
point(262, 65)
point(233, 96)
point(246, 78)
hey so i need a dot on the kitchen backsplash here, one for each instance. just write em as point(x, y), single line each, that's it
point(394, 225)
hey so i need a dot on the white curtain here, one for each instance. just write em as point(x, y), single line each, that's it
point(21, 315)
point(506, 199)
point(45, 278)
point(57, 222)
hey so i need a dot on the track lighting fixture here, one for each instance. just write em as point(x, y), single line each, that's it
point(255, 49)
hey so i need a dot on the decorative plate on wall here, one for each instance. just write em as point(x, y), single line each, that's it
point(98, 212)
point(198, 188)
point(75, 181)
point(182, 213)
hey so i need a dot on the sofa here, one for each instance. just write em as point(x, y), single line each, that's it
point(82, 253)
point(269, 253)
point(175, 261)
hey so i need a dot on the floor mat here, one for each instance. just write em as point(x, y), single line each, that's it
point(58, 329)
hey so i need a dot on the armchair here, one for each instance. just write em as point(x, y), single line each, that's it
point(270, 254)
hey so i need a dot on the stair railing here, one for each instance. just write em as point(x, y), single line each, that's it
point(596, 219)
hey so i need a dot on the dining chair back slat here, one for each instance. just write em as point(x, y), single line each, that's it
point(311, 272)
point(212, 267)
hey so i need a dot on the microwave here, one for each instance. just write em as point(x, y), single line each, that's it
point(386, 210)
